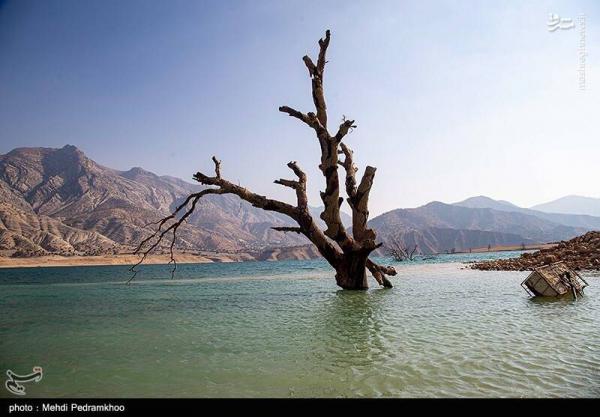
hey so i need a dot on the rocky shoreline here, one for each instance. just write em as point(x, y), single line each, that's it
point(580, 253)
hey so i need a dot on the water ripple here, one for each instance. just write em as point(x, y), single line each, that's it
point(442, 331)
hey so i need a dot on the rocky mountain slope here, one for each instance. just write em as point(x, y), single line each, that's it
point(25, 233)
point(60, 201)
point(439, 240)
point(439, 227)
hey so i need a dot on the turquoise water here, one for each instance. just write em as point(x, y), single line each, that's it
point(283, 329)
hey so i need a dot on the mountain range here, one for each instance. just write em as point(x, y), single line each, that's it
point(566, 218)
point(58, 201)
point(439, 227)
point(573, 204)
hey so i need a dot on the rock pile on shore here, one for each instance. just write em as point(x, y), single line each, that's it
point(580, 253)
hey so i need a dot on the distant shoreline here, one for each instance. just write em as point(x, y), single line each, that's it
point(505, 248)
point(198, 258)
point(272, 254)
point(122, 259)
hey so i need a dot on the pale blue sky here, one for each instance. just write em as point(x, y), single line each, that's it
point(452, 98)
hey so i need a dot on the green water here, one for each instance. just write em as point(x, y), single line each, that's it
point(283, 329)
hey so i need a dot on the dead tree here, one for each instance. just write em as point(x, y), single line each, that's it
point(399, 251)
point(347, 253)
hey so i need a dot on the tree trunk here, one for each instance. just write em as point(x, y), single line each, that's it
point(351, 271)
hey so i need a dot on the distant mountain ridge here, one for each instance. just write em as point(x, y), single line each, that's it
point(438, 227)
point(575, 220)
point(482, 201)
point(58, 201)
point(571, 204)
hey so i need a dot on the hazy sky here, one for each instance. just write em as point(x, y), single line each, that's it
point(452, 99)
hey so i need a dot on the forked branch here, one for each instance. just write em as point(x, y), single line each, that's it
point(299, 185)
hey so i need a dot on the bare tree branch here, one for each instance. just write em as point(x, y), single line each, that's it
point(413, 252)
point(217, 166)
point(301, 186)
point(345, 127)
point(297, 114)
point(312, 68)
point(316, 72)
point(288, 229)
point(323, 44)
point(156, 238)
point(379, 273)
point(309, 118)
point(287, 183)
point(351, 170)
point(256, 200)
point(360, 203)
point(358, 198)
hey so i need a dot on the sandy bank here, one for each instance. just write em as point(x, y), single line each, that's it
point(124, 259)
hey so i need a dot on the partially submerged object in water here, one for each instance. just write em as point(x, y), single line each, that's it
point(554, 280)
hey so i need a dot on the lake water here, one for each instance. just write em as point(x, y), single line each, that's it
point(283, 329)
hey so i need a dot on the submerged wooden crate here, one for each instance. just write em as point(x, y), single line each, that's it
point(554, 280)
